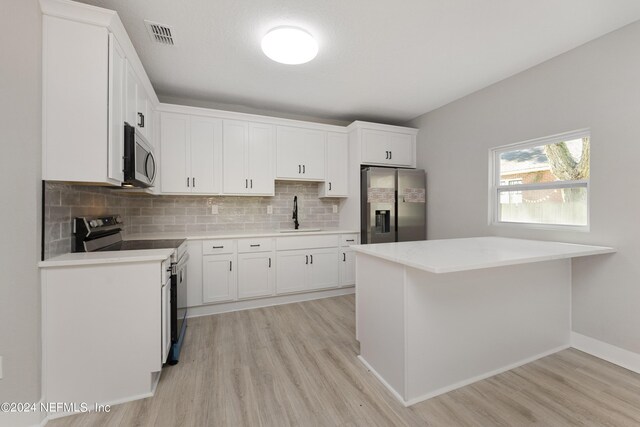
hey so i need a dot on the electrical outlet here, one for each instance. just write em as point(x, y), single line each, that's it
point(210, 201)
point(0, 367)
point(269, 210)
point(214, 209)
point(335, 208)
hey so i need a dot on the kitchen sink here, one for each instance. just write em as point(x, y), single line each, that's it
point(301, 230)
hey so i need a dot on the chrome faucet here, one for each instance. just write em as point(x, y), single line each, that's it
point(296, 224)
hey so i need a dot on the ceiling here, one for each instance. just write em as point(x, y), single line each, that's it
point(378, 60)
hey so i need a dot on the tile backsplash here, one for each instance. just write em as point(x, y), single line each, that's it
point(144, 213)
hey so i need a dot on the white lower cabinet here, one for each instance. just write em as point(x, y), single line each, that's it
point(230, 270)
point(219, 278)
point(166, 320)
point(347, 267)
point(292, 271)
point(307, 269)
point(324, 271)
point(256, 274)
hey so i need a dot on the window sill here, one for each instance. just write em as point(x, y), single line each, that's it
point(542, 227)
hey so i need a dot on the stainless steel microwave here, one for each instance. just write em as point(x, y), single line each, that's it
point(139, 162)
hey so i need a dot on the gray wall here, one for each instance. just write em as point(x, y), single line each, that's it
point(595, 86)
point(20, 106)
point(182, 214)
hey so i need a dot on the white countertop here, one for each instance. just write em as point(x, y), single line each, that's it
point(235, 234)
point(115, 257)
point(89, 258)
point(451, 255)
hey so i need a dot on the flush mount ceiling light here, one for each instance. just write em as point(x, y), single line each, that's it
point(289, 45)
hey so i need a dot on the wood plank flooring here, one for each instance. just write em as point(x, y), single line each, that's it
point(295, 365)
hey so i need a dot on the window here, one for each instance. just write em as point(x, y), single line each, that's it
point(543, 182)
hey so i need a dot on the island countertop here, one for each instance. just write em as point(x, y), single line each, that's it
point(452, 255)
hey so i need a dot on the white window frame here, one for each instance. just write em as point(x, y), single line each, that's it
point(495, 187)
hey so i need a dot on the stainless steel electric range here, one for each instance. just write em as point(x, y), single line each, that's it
point(104, 233)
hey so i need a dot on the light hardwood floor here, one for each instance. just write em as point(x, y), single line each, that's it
point(295, 365)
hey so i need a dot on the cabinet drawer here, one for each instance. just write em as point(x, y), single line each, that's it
point(213, 247)
point(307, 242)
point(348, 239)
point(255, 245)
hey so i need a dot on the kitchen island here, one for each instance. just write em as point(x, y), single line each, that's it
point(433, 316)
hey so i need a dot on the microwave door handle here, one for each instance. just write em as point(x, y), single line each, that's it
point(151, 175)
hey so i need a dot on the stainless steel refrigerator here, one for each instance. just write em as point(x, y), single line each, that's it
point(393, 205)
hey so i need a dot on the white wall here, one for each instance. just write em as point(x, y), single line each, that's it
point(595, 86)
point(20, 117)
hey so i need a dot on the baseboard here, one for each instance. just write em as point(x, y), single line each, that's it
point(616, 355)
point(463, 383)
point(154, 384)
point(382, 380)
point(208, 310)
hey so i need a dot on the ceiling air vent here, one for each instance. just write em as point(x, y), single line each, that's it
point(160, 33)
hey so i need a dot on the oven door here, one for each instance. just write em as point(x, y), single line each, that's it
point(179, 300)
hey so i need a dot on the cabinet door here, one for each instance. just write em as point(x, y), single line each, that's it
point(300, 153)
point(117, 81)
point(131, 99)
point(347, 267)
point(387, 148)
point(323, 268)
point(260, 159)
point(337, 165)
point(206, 135)
point(401, 148)
point(292, 271)
point(219, 278)
point(174, 153)
point(235, 135)
point(256, 274)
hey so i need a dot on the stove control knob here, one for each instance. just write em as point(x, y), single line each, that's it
point(93, 223)
point(100, 223)
point(118, 219)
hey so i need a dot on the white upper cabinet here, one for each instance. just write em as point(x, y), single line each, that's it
point(337, 164)
point(388, 148)
point(75, 96)
point(384, 145)
point(248, 158)
point(300, 154)
point(88, 88)
point(190, 154)
point(138, 107)
point(117, 82)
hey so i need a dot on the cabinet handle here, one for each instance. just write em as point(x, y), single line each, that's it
point(307, 257)
point(387, 155)
point(344, 257)
point(141, 120)
point(194, 182)
point(217, 247)
point(329, 186)
point(390, 155)
point(187, 182)
point(246, 183)
point(303, 169)
point(311, 258)
point(251, 183)
point(350, 240)
point(299, 169)
point(254, 246)
point(230, 265)
point(269, 262)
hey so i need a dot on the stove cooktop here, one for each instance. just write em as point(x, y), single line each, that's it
point(130, 245)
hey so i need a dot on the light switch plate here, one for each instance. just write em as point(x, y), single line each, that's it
point(269, 210)
point(214, 209)
point(335, 208)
